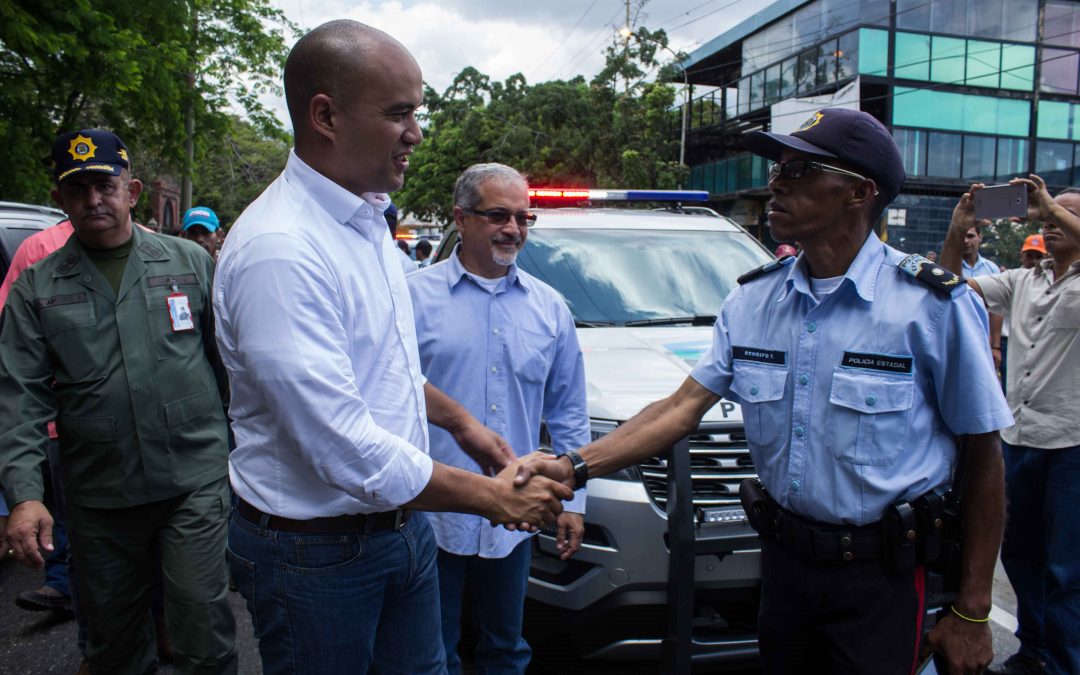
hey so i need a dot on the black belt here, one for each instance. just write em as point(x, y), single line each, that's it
point(822, 541)
point(364, 523)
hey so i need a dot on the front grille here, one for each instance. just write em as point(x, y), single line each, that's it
point(719, 461)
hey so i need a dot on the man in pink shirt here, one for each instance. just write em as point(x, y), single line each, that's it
point(36, 247)
point(55, 593)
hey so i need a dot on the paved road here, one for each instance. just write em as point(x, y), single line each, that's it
point(33, 643)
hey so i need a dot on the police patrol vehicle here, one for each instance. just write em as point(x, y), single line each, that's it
point(644, 286)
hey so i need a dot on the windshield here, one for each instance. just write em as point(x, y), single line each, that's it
point(611, 277)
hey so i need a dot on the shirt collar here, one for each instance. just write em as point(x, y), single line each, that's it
point(363, 212)
point(862, 272)
point(456, 272)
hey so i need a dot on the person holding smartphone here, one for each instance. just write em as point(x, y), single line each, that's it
point(1041, 548)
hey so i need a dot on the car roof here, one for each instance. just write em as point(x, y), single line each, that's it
point(30, 213)
point(629, 219)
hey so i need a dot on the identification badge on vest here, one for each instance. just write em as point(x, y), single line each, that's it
point(180, 312)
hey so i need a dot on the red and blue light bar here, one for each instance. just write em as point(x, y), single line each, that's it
point(619, 195)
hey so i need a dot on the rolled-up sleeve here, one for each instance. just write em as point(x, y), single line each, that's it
point(565, 409)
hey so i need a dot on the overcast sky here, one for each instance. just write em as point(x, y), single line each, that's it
point(542, 39)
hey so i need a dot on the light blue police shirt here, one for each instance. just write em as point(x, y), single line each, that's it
point(511, 357)
point(854, 403)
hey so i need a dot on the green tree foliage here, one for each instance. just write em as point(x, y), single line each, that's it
point(618, 130)
point(125, 65)
point(233, 169)
point(1004, 239)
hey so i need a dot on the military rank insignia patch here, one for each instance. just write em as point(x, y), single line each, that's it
point(930, 273)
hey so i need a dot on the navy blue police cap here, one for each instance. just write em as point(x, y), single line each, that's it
point(88, 150)
point(855, 138)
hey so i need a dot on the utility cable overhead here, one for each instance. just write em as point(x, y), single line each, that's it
point(566, 37)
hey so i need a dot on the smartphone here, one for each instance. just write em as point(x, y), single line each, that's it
point(1001, 201)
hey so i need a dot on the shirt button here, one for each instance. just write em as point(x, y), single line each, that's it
point(811, 326)
point(494, 369)
point(494, 407)
point(800, 431)
point(135, 387)
point(753, 390)
point(871, 399)
point(88, 278)
point(795, 485)
point(804, 378)
point(495, 331)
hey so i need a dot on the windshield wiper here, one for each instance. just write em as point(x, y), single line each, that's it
point(592, 324)
point(696, 320)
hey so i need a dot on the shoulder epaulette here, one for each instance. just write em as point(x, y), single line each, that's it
point(930, 273)
point(766, 268)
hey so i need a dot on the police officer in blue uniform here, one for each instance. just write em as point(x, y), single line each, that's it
point(861, 372)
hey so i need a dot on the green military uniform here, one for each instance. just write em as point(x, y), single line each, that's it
point(142, 432)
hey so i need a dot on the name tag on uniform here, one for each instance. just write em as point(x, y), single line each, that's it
point(882, 362)
point(771, 356)
point(180, 313)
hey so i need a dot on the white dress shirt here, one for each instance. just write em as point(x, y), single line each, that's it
point(316, 329)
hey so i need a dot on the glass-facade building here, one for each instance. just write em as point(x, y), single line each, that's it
point(972, 90)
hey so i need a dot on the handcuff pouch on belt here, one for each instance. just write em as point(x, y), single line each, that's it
point(947, 562)
point(901, 537)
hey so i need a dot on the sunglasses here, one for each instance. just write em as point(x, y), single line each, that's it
point(502, 216)
point(797, 168)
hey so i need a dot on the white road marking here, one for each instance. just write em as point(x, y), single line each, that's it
point(1003, 618)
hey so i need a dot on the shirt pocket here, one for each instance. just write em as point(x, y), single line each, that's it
point(868, 416)
point(760, 389)
point(530, 354)
point(1066, 312)
point(169, 344)
point(71, 332)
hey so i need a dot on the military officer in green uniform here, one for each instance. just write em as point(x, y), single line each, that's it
point(112, 335)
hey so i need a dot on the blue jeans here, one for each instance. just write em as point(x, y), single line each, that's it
point(340, 602)
point(497, 590)
point(1041, 552)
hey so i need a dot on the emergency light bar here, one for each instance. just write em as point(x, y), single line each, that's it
point(620, 195)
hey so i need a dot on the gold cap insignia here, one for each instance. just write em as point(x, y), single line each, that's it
point(812, 122)
point(82, 148)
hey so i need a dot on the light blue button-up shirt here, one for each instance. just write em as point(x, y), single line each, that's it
point(982, 267)
point(315, 326)
point(854, 403)
point(512, 358)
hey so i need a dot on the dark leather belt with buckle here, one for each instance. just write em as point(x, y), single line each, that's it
point(820, 541)
point(363, 523)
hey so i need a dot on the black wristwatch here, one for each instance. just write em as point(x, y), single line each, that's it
point(580, 468)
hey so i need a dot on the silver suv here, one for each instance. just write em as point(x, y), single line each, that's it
point(644, 287)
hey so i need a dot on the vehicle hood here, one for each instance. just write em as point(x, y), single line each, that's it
point(628, 368)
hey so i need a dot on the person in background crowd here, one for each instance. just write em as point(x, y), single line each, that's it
point(785, 250)
point(119, 319)
point(1041, 551)
point(975, 265)
point(503, 344)
point(1033, 251)
point(406, 263)
point(201, 226)
point(55, 592)
point(931, 256)
point(861, 373)
point(423, 253)
point(328, 542)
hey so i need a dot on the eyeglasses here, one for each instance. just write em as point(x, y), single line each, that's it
point(797, 168)
point(502, 216)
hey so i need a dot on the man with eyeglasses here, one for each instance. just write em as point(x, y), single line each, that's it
point(331, 471)
point(1041, 550)
point(860, 371)
point(503, 344)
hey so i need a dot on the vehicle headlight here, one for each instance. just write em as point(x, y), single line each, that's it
point(600, 428)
